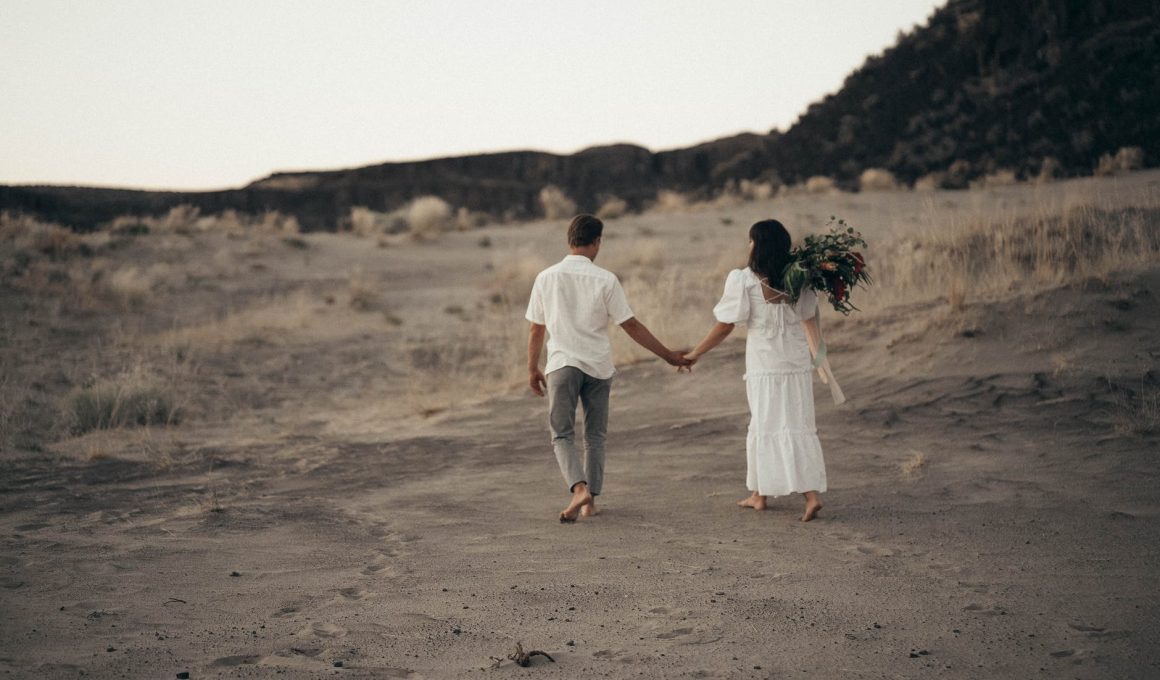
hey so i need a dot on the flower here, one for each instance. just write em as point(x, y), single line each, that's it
point(828, 264)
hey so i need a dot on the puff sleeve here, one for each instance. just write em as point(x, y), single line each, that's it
point(807, 304)
point(734, 304)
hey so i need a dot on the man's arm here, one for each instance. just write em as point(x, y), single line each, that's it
point(644, 337)
point(536, 379)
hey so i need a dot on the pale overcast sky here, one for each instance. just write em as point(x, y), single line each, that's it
point(213, 93)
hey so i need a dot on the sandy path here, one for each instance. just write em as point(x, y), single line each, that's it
point(1026, 545)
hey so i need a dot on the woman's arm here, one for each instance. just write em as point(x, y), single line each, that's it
point(719, 332)
point(814, 339)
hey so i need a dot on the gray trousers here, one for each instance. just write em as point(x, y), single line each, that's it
point(566, 387)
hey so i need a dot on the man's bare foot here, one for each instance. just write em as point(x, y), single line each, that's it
point(580, 499)
point(813, 506)
point(755, 501)
point(590, 509)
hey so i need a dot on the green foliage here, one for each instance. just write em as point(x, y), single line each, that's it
point(830, 264)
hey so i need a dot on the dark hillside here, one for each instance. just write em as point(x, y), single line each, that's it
point(994, 84)
point(985, 85)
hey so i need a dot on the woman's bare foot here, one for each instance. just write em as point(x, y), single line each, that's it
point(580, 498)
point(813, 505)
point(755, 501)
point(590, 509)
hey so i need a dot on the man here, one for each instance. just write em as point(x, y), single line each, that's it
point(573, 301)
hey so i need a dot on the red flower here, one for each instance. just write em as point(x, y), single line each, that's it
point(840, 289)
point(859, 262)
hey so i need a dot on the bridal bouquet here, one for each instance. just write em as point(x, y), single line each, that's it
point(830, 264)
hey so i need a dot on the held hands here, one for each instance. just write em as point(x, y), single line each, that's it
point(683, 360)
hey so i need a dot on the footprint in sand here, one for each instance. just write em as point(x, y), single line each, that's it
point(323, 630)
point(352, 593)
point(239, 660)
point(992, 610)
point(288, 609)
point(674, 633)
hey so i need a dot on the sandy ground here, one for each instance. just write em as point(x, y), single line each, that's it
point(988, 514)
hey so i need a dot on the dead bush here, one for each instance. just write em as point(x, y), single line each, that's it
point(877, 179)
point(428, 216)
point(556, 204)
point(820, 184)
point(612, 208)
point(1127, 159)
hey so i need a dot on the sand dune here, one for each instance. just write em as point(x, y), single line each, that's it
point(321, 509)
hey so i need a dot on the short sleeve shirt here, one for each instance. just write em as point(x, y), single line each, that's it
point(576, 301)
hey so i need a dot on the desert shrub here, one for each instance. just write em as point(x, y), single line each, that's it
point(428, 216)
point(129, 225)
point(1049, 169)
point(752, 190)
point(556, 204)
point(1127, 159)
point(612, 208)
point(819, 184)
point(930, 181)
point(181, 219)
point(366, 222)
point(120, 403)
point(877, 179)
point(276, 222)
point(999, 178)
point(466, 220)
point(958, 175)
point(670, 201)
point(58, 243)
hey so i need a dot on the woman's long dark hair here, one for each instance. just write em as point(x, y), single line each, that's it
point(770, 255)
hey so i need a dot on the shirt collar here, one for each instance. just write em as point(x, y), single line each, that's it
point(576, 258)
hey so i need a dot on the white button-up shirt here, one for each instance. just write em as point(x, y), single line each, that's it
point(576, 300)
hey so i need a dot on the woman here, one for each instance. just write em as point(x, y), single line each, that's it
point(782, 448)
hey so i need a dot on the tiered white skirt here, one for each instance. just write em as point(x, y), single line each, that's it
point(782, 448)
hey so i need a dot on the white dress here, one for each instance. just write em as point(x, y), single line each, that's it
point(782, 448)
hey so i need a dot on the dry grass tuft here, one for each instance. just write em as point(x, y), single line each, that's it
point(612, 208)
point(1127, 159)
point(556, 204)
point(819, 184)
point(877, 179)
point(364, 293)
point(132, 399)
point(930, 182)
point(999, 178)
point(670, 201)
point(1137, 412)
point(992, 259)
point(1049, 169)
point(914, 466)
point(366, 222)
point(267, 323)
point(512, 279)
point(752, 190)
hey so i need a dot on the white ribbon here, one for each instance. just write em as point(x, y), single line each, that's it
point(821, 359)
